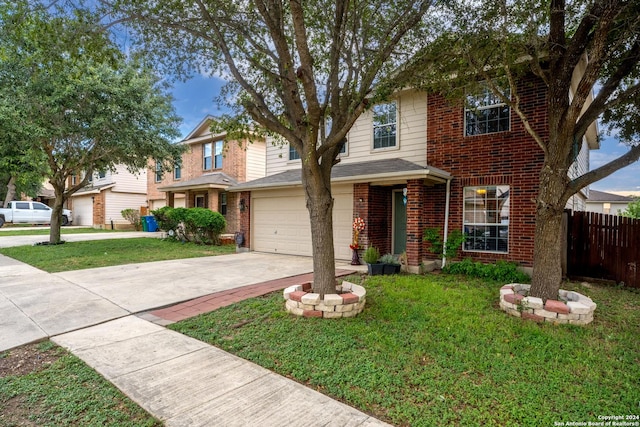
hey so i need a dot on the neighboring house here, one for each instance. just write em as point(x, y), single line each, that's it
point(210, 165)
point(413, 163)
point(607, 203)
point(108, 193)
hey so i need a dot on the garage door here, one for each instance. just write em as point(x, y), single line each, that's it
point(82, 211)
point(280, 222)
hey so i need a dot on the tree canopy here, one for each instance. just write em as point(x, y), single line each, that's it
point(303, 70)
point(83, 105)
point(586, 54)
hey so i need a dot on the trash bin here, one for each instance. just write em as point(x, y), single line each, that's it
point(152, 224)
point(143, 221)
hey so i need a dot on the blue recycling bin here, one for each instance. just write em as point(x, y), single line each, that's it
point(152, 224)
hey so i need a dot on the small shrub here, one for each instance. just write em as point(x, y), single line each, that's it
point(455, 239)
point(501, 271)
point(389, 259)
point(133, 216)
point(371, 255)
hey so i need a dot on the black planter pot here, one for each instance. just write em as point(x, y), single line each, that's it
point(391, 269)
point(375, 269)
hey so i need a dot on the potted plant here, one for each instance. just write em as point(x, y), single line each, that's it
point(371, 256)
point(391, 264)
point(358, 226)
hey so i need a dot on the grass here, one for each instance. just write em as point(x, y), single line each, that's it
point(104, 253)
point(436, 350)
point(45, 231)
point(66, 393)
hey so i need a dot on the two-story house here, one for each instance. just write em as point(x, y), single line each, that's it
point(210, 165)
point(413, 163)
point(108, 193)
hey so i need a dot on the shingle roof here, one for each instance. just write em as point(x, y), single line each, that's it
point(362, 172)
point(212, 180)
point(601, 196)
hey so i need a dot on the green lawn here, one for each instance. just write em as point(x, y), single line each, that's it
point(16, 231)
point(65, 393)
point(104, 253)
point(436, 350)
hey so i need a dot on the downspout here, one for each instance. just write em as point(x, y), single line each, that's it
point(446, 221)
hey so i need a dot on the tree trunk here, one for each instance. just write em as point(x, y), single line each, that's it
point(320, 206)
point(56, 216)
point(547, 250)
point(11, 191)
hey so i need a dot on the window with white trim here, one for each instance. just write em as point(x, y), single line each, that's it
point(384, 125)
point(177, 170)
point(206, 155)
point(158, 171)
point(486, 218)
point(485, 113)
point(217, 154)
point(293, 153)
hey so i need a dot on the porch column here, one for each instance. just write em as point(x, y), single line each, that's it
point(188, 199)
point(212, 196)
point(415, 224)
point(361, 209)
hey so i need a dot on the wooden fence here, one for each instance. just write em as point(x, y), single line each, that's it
point(603, 247)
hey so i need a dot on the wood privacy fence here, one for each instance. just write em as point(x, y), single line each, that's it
point(603, 247)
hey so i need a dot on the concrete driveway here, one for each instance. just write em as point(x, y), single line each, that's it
point(35, 305)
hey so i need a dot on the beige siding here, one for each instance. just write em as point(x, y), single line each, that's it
point(256, 157)
point(116, 202)
point(127, 182)
point(412, 137)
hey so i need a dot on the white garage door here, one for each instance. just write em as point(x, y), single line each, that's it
point(82, 211)
point(280, 222)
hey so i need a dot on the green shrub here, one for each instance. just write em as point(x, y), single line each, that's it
point(197, 225)
point(502, 271)
point(133, 216)
point(371, 255)
point(389, 259)
point(204, 225)
point(455, 239)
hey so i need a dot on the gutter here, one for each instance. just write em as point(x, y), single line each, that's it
point(446, 221)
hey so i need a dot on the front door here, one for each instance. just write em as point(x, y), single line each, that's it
point(399, 223)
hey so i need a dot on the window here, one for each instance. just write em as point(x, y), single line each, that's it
point(207, 156)
point(485, 113)
point(158, 171)
point(384, 125)
point(293, 153)
point(74, 179)
point(199, 201)
point(22, 205)
point(102, 174)
point(213, 155)
point(223, 204)
point(177, 171)
point(486, 218)
point(40, 206)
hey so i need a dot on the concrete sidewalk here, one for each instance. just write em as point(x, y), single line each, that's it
point(10, 241)
point(185, 382)
point(180, 380)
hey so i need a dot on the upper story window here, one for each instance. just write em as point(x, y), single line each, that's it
point(293, 153)
point(102, 174)
point(158, 171)
point(485, 113)
point(177, 170)
point(212, 155)
point(486, 218)
point(385, 119)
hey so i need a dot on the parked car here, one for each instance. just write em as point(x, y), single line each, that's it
point(25, 212)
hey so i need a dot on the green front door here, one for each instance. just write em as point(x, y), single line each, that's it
point(399, 223)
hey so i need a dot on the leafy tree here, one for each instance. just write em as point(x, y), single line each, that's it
point(599, 40)
point(303, 70)
point(86, 107)
point(633, 209)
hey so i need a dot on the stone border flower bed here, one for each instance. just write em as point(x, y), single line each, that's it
point(348, 301)
point(573, 308)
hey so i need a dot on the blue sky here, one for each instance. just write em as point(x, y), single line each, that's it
point(194, 99)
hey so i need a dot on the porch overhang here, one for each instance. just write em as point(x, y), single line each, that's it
point(376, 172)
point(93, 190)
point(217, 180)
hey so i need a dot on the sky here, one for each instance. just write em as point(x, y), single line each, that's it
point(194, 99)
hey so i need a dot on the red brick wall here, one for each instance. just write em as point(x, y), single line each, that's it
point(507, 158)
point(244, 218)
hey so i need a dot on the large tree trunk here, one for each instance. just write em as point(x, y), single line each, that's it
point(11, 191)
point(320, 205)
point(547, 250)
point(56, 215)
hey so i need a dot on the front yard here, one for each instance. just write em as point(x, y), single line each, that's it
point(436, 350)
